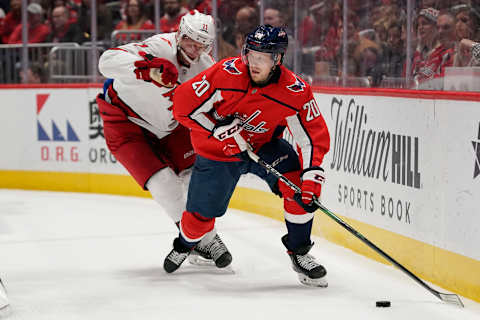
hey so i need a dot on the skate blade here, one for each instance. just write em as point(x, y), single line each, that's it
point(321, 282)
point(200, 261)
point(5, 310)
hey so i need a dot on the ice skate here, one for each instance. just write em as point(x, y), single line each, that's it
point(211, 251)
point(310, 272)
point(175, 258)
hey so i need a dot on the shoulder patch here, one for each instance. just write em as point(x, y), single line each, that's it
point(230, 67)
point(298, 86)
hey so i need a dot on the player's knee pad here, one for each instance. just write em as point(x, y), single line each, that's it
point(193, 226)
point(168, 190)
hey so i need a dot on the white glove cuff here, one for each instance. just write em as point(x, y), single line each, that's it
point(314, 174)
point(228, 130)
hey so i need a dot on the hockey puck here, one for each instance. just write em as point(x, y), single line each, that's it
point(382, 304)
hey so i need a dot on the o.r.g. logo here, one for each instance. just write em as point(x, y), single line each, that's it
point(55, 133)
point(52, 132)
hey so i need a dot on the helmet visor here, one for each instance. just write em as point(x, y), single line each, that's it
point(258, 58)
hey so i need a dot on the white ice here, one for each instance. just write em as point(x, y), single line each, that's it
point(85, 256)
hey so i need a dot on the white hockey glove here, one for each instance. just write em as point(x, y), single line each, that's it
point(227, 128)
point(312, 180)
point(228, 131)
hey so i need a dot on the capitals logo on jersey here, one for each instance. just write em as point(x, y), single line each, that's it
point(230, 67)
point(298, 86)
point(248, 126)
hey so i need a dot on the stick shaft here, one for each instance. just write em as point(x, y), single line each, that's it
point(449, 298)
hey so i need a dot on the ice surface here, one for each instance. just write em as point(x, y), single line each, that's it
point(84, 256)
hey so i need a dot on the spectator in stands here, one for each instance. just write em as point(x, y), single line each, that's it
point(71, 6)
point(246, 20)
point(104, 21)
point(467, 22)
point(424, 4)
point(318, 25)
point(427, 42)
point(35, 74)
point(446, 30)
point(11, 20)
point(63, 30)
point(274, 17)
point(471, 50)
point(37, 30)
point(173, 13)
point(394, 56)
point(203, 6)
point(432, 56)
point(225, 49)
point(368, 61)
point(136, 19)
point(226, 12)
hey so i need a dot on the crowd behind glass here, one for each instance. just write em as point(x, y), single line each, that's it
point(414, 44)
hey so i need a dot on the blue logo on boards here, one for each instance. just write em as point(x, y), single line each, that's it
point(55, 134)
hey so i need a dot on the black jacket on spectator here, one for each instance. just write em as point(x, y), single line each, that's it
point(73, 34)
point(104, 22)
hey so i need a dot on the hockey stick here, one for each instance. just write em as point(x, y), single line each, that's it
point(446, 297)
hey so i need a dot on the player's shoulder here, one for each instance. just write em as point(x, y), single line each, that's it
point(231, 73)
point(292, 84)
point(162, 44)
point(232, 67)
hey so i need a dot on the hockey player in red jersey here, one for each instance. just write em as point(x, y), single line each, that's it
point(243, 102)
point(139, 128)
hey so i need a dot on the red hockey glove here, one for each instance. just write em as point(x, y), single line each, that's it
point(312, 180)
point(160, 71)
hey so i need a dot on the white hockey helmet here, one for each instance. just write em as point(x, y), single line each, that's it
point(198, 27)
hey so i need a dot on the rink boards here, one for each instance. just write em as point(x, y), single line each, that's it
point(404, 169)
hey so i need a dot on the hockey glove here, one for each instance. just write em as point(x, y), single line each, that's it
point(227, 128)
point(160, 71)
point(228, 131)
point(312, 180)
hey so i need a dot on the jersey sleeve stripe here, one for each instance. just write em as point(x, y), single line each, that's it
point(298, 218)
point(198, 114)
point(126, 109)
point(301, 137)
point(119, 49)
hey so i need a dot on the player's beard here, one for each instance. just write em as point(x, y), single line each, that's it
point(272, 76)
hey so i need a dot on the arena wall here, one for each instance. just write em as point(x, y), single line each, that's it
point(403, 169)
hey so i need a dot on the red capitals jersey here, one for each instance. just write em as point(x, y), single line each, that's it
point(433, 64)
point(225, 89)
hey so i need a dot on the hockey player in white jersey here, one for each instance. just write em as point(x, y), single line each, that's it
point(139, 128)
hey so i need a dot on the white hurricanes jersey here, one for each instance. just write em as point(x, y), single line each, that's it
point(151, 103)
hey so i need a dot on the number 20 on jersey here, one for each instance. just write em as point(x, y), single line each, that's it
point(312, 110)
